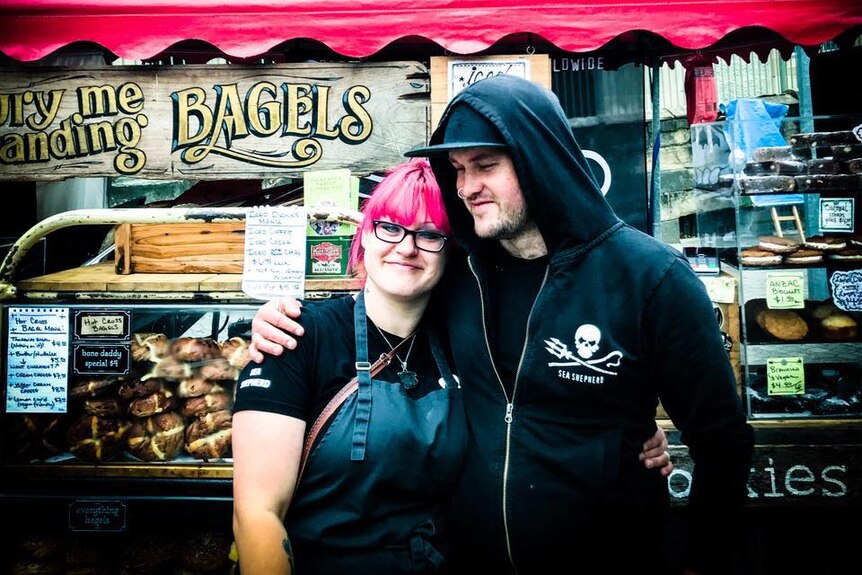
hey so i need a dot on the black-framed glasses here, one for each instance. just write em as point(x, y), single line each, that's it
point(425, 240)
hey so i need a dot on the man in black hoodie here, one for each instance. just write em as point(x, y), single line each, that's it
point(567, 327)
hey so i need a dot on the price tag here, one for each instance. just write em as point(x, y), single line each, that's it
point(785, 376)
point(836, 214)
point(785, 290)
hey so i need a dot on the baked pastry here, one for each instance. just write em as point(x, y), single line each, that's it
point(156, 438)
point(93, 438)
point(41, 547)
point(855, 241)
point(775, 167)
point(209, 403)
point(149, 346)
point(847, 255)
point(235, 351)
point(824, 309)
point(197, 386)
point(839, 326)
point(106, 406)
point(218, 369)
point(209, 436)
point(152, 404)
point(822, 166)
point(767, 184)
point(821, 139)
point(192, 349)
point(36, 435)
point(778, 244)
point(134, 388)
point(768, 153)
point(825, 243)
point(783, 324)
point(93, 387)
point(169, 368)
point(803, 257)
point(148, 552)
point(820, 182)
point(759, 257)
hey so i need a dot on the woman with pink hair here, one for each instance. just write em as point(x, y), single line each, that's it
point(372, 495)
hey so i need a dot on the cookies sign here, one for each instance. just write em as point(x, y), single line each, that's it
point(847, 289)
point(785, 290)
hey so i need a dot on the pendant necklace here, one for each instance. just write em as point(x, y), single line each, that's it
point(407, 377)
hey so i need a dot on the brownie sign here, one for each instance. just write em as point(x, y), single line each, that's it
point(847, 289)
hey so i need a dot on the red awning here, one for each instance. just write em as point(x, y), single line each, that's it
point(141, 29)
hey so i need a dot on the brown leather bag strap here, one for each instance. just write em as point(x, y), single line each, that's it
point(335, 403)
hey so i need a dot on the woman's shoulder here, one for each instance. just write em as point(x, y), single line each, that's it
point(323, 311)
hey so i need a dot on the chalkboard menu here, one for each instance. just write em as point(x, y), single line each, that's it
point(37, 362)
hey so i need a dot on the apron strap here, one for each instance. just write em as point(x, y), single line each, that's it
point(363, 374)
point(440, 360)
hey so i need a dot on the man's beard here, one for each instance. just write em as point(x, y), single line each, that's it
point(508, 226)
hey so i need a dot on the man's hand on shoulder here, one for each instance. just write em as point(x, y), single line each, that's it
point(272, 327)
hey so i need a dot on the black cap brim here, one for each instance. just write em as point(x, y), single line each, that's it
point(440, 149)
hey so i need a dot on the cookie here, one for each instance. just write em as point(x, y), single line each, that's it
point(778, 244)
point(804, 257)
point(784, 324)
point(759, 257)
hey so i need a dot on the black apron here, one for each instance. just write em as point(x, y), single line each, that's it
point(372, 496)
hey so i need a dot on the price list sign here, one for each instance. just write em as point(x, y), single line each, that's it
point(274, 264)
point(37, 362)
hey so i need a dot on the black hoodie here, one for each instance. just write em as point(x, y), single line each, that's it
point(620, 322)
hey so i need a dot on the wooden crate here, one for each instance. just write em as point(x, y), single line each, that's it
point(180, 248)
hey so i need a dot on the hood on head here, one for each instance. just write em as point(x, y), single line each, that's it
point(561, 193)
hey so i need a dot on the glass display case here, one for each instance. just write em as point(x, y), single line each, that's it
point(795, 187)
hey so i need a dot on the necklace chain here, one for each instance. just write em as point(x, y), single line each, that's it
point(403, 362)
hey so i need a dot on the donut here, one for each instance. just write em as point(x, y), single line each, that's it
point(156, 438)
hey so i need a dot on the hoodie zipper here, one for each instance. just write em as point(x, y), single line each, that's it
point(510, 404)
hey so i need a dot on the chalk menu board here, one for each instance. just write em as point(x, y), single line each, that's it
point(274, 263)
point(37, 360)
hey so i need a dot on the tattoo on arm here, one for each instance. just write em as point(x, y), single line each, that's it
point(288, 550)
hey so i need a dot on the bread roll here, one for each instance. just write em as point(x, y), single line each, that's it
point(235, 350)
point(218, 369)
point(93, 438)
point(210, 403)
point(156, 438)
point(149, 346)
point(196, 387)
point(153, 404)
point(209, 436)
point(194, 349)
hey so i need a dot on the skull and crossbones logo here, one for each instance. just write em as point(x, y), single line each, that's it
point(587, 340)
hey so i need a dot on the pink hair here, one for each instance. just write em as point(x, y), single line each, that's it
point(408, 190)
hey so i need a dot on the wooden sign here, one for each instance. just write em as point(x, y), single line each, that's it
point(209, 122)
point(450, 75)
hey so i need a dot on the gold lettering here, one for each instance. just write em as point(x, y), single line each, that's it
point(131, 98)
point(229, 113)
point(48, 104)
point(321, 127)
point(356, 128)
point(97, 101)
point(297, 103)
point(190, 103)
point(263, 118)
